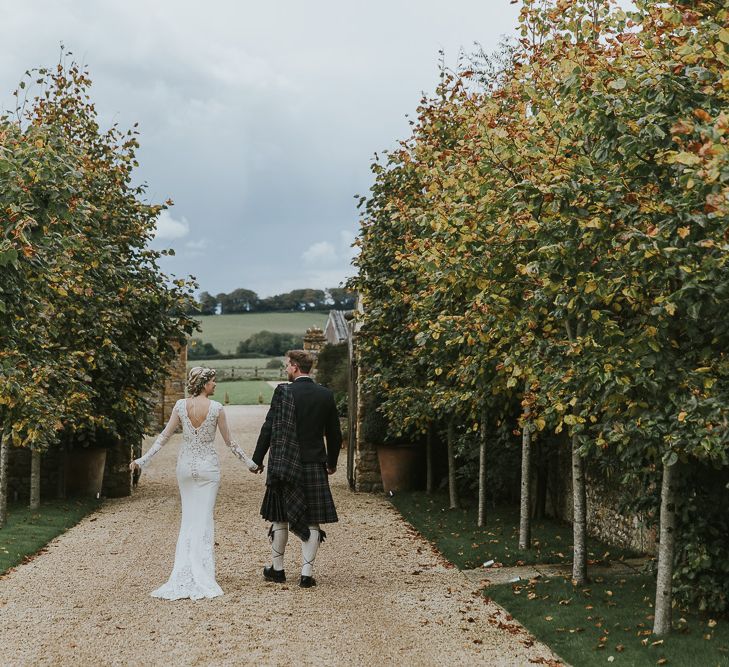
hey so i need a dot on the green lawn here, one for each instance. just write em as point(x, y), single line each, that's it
point(226, 331)
point(28, 531)
point(609, 622)
point(461, 541)
point(244, 392)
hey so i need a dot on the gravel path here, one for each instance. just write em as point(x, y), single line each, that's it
point(384, 596)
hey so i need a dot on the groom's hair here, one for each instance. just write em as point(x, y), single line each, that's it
point(303, 359)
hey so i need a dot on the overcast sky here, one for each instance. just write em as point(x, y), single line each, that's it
point(259, 120)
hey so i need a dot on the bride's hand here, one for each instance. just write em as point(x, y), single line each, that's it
point(134, 466)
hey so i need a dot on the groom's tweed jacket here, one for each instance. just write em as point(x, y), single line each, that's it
point(284, 463)
point(316, 417)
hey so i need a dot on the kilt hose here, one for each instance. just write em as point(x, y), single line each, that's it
point(319, 502)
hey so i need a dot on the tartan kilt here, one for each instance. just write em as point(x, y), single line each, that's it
point(319, 502)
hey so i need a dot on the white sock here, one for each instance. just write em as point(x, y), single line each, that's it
point(279, 534)
point(309, 549)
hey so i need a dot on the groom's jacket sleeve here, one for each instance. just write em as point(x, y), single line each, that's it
point(264, 437)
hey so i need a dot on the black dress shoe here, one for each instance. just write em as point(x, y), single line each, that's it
point(307, 582)
point(269, 574)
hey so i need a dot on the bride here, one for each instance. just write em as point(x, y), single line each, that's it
point(198, 476)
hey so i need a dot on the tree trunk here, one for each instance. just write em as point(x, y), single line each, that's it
point(35, 466)
point(579, 516)
point(429, 460)
point(482, 473)
point(452, 489)
point(3, 481)
point(663, 609)
point(525, 522)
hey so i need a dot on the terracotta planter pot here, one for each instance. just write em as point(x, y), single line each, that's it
point(399, 465)
point(85, 472)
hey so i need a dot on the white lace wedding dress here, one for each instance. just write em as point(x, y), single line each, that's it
point(198, 476)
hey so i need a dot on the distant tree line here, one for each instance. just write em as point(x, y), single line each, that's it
point(246, 301)
point(260, 344)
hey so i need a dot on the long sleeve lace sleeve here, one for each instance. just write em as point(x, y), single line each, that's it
point(232, 444)
point(162, 438)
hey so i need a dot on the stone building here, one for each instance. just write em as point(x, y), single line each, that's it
point(337, 330)
point(174, 389)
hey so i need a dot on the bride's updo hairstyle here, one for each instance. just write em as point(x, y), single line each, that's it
point(198, 378)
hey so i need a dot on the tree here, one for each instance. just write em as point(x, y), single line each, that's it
point(92, 318)
point(208, 304)
point(238, 301)
point(269, 344)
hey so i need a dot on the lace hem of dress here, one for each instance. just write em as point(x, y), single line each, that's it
point(181, 591)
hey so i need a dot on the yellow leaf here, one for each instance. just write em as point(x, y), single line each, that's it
point(438, 371)
point(670, 308)
point(541, 424)
point(688, 159)
point(681, 416)
point(683, 232)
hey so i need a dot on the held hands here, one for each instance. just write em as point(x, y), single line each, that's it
point(256, 471)
point(331, 471)
point(134, 466)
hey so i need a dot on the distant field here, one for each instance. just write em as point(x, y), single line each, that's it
point(242, 367)
point(226, 331)
point(245, 392)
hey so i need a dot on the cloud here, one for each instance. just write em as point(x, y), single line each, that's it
point(321, 253)
point(168, 228)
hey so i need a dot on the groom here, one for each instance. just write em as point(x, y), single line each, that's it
point(297, 487)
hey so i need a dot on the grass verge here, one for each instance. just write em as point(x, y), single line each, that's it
point(244, 392)
point(461, 541)
point(27, 530)
point(609, 621)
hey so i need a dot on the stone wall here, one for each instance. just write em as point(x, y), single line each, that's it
point(604, 521)
point(314, 340)
point(117, 480)
point(173, 390)
point(366, 474)
point(51, 480)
